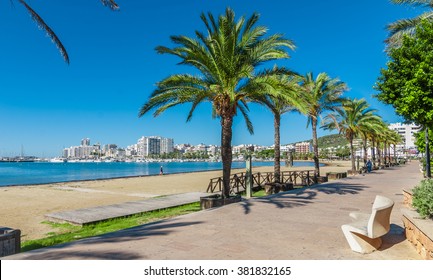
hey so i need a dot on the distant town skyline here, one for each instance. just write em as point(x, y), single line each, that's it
point(46, 104)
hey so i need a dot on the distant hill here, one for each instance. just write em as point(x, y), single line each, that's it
point(333, 140)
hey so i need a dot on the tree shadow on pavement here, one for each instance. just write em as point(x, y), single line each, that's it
point(304, 196)
point(95, 252)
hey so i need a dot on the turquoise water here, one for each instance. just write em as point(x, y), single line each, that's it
point(28, 173)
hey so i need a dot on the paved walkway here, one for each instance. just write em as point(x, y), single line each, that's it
point(299, 225)
point(102, 213)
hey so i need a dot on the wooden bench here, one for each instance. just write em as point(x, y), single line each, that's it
point(364, 233)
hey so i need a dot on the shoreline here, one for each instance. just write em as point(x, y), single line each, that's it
point(143, 175)
point(24, 207)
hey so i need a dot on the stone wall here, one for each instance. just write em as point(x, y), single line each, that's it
point(422, 242)
point(407, 198)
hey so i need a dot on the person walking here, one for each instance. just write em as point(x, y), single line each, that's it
point(161, 171)
point(369, 165)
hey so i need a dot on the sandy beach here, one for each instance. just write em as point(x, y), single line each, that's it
point(24, 207)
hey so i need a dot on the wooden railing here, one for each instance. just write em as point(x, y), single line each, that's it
point(238, 180)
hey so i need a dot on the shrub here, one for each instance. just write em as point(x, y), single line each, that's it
point(423, 198)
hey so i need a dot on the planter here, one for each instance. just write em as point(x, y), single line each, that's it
point(350, 172)
point(10, 241)
point(273, 188)
point(407, 198)
point(419, 232)
point(336, 175)
point(322, 179)
point(217, 200)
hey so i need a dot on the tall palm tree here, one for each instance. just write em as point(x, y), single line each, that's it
point(402, 27)
point(289, 101)
point(320, 95)
point(350, 120)
point(368, 131)
point(50, 33)
point(227, 57)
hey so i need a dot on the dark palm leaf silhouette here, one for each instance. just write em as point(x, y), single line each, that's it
point(41, 23)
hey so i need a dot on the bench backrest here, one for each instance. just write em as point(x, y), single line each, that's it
point(379, 222)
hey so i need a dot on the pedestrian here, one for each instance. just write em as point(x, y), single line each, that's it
point(369, 165)
point(161, 171)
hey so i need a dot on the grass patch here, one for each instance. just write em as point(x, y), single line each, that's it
point(259, 193)
point(67, 232)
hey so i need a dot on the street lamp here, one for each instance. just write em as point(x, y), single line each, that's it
point(249, 173)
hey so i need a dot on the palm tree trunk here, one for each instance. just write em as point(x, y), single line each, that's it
point(352, 154)
point(277, 159)
point(384, 153)
point(365, 150)
point(226, 153)
point(379, 154)
point(373, 152)
point(315, 148)
point(389, 153)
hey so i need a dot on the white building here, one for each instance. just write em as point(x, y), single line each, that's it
point(85, 142)
point(131, 150)
point(286, 148)
point(154, 145)
point(406, 131)
point(167, 145)
point(80, 152)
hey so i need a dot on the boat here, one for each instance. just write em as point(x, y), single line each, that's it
point(57, 160)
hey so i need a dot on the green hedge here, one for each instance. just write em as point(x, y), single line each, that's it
point(423, 198)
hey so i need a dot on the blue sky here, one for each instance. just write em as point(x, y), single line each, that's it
point(47, 105)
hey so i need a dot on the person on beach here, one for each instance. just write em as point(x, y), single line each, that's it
point(161, 171)
point(369, 165)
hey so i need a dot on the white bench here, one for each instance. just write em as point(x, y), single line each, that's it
point(364, 233)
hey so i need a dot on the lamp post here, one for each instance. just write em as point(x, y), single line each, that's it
point(249, 173)
point(427, 155)
point(357, 163)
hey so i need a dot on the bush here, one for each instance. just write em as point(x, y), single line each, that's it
point(423, 198)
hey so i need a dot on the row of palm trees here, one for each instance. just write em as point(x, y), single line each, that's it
point(356, 120)
point(227, 57)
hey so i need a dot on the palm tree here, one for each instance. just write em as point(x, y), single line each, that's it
point(320, 95)
point(368, 132)
point(289, 101)
point(350, 120)
point(402, 27)
point(226, 57)
point(395, 140)
point(50, 33)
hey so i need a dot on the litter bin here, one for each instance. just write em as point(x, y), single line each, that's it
point(10, 241)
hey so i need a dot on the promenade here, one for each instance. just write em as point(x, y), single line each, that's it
point(299, 225)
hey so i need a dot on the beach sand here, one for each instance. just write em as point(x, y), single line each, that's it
point(24, 207)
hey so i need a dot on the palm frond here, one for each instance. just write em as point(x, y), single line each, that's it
point(416, 3)
point(41, 23)
point(111, 4)
point(175, 90)
point(244, 111)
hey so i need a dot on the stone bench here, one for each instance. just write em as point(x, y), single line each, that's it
point(10, 241)
point(273, 188)
point(365, 232)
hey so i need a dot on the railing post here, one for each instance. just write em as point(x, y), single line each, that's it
point(249, 178)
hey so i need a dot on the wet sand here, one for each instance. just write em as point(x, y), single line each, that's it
point(24, 207)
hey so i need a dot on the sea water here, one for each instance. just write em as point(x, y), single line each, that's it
point(29, 173)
